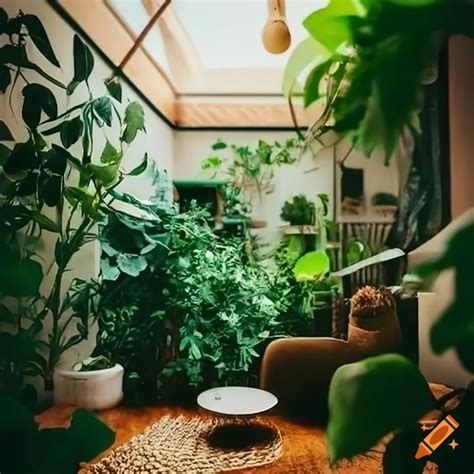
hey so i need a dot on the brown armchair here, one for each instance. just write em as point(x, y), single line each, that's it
point(298, 370)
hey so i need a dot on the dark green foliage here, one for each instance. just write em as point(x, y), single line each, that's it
point(298, 211)
point(35, 175)
point(37, 99)
point(5, 134)
point(19, 277)
point(83, 64)
point(28, 450)
point(114, 88)
point(455, 327)
point(250, 169)
point(5, 78)
point(39, 37)
point(386, 38)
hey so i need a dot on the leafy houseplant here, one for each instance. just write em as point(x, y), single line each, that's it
point(227, 309)
point(251, 169)
point(235, 203)
point(298, 211)
point(52, 185)
point(181, 306)
point(133, 329)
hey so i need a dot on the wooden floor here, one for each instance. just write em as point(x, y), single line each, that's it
point(304, 446)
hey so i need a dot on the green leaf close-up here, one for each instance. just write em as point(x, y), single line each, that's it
point(5, 78)
point(83, 64)
point(312, 266)
point(71, 131)
point(19, 277)
point(106, 175)
point(115, 89)
point(5, 134)
point(134, 122)
point(140, 168)
point(110, 155)
point(39, 37)
point(28, 450)
point(37, 99)
point(330, 25)
point(388, 390)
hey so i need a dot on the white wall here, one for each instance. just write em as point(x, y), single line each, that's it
point(310, 177)
point(158, 141)
point(191, 147)
point(378, 178)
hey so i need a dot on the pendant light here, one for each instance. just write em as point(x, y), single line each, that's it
point(276, 35)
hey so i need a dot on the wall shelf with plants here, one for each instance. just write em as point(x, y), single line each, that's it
point(250, 171)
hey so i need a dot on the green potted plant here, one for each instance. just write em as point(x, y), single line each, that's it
point(251, 169)
point(299, 211)
point(51, 189)
point(95, 383)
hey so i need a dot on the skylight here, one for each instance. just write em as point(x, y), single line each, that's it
point(215, 46)
point(227, 33)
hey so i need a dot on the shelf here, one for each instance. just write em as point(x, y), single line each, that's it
point(199, 183)
point(299, 229)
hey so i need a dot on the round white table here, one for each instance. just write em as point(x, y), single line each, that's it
point(237, 401)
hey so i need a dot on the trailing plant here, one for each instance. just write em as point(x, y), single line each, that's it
point(58, 183)
point(298, 211)
point(368, 61)
point(251, 169)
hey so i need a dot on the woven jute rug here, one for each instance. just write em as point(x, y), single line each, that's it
point(188, 445)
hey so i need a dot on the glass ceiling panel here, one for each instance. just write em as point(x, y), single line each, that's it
point(227, 33)
point(222, 35)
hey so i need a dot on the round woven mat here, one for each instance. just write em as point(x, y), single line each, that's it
point(182, 445)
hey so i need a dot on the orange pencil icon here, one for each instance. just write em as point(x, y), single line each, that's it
point(436, 437)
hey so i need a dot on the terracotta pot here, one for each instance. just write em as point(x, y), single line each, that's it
point(95, 389)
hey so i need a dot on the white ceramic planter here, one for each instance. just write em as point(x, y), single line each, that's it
point(95, 390)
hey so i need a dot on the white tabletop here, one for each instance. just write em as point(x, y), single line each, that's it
point(237, 401)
